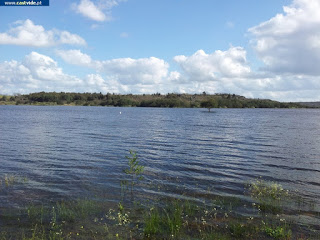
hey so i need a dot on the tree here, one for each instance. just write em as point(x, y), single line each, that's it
point(211, 103)
point(135, 170)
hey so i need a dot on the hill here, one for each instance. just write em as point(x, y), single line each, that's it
point(170, 100)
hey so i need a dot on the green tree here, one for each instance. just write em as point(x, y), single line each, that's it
point(211, 103)
point(135, 170)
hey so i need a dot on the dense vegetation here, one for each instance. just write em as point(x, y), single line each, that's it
point(170, 100)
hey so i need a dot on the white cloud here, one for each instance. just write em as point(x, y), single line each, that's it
point(68, 38)
point(174, 76)
point(95, 79)
point(219, 72)
point(90, 10)
point(127, 71)
point(75, 57)
point(133, 71)
point(96, 83)
point(36, 72)
point(26, 33)
point(99, 11)
point(212, 67)
point(290, 42)
point(43, 67)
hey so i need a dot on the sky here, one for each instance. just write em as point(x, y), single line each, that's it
point(266, 49)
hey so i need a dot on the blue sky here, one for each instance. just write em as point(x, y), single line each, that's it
point(260, 49)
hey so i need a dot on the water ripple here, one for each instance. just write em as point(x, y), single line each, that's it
point(72, 151)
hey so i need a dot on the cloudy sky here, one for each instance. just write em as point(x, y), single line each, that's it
point(261, 49)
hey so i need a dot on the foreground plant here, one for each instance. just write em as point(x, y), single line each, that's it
point(135, 170)
point(11, 180)
point(270, 195)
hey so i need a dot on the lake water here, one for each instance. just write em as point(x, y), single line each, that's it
point(72, 152)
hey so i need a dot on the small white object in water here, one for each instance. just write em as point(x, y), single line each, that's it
point(120, 112)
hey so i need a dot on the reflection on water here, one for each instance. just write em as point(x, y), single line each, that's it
point(74, 151)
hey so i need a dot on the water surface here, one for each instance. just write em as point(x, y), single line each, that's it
point(72, 152)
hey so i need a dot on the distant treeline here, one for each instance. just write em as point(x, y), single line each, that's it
point(310, 104)
point(170, 100)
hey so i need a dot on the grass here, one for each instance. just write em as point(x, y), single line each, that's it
point(172, 219)
point(277, 232)
point(152, 223)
